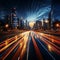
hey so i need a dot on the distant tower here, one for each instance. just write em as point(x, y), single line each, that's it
point(52, 12)
point(14, 19)
point(44, 24)
point(21, 23)
point(49, 19)
point(50, 16)
point(26, 23)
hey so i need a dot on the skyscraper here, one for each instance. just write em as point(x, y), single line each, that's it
point(21, 23)
point(14, 19)
point(38, 25)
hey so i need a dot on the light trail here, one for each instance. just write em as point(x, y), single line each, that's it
point(53, 46)
point(22, 41)
point(18, 52)
point(51, 38)
point(25, 45)
point(54, 41)
point(43, 45)
point(10, 50)
point(39, 55)
point(5, 47)
point(2, 44)
point(5, 44)
point(46, 50)
point(12, 47)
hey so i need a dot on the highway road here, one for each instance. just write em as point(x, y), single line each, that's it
point(30, 45)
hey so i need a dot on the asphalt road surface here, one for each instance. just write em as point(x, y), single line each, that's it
point(31, 45)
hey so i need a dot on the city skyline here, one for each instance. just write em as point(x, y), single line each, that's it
point(31, 10)
point(29, 30)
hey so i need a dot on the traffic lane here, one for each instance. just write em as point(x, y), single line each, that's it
point(10, 49)
point(32, 53)
point(18, 52)
point(49, 47)
point(46, 54)
point(37, 51)
point(24, 49)
point(26, 55)
point(50, 57)
point(52, 44)
point(43, 49)
point(32, 49)
point(52, 38)
point(4, 37)
point(48, 35)
point(10, 56)
point(9, 42)
point(52, 48)
point(18, 35)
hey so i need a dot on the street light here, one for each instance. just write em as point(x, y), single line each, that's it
point(46, 21)
point(6, 25)
point(57, 25)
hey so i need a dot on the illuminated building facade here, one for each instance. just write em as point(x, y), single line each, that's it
point(14, 19)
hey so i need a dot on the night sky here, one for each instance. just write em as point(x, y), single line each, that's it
point(31, 9)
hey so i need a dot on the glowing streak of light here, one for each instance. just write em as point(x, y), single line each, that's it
point(43, 9)
point(49, 47)
point(35, 15)
point(53, 47)
point(5, 47)
point(12, 47)
point(37, 50)
point(46, 49)
point(25, 45)
point(41, 33)
point(18, 51)
point(6, 42)
point(23, 52)
point(51, 38)
point(28, 47)
point(10, 50)
point(15, 37)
